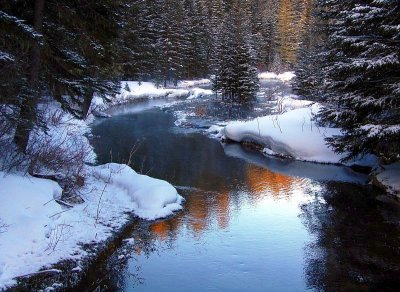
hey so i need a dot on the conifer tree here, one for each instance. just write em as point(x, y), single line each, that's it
point(309, 80)
point(236, 74)
point(67, 54)
point(363, 74)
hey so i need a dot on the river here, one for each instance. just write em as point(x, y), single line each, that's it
point(249, 223)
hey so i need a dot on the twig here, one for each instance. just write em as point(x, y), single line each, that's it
point(101, 196)
point(59, 213)
point(64, 203)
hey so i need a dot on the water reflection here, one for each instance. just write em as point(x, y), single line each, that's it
point(357, 245)
point(261, 181)
point(206, 210)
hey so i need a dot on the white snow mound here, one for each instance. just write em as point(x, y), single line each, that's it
point(152, 198)
point(292, 133)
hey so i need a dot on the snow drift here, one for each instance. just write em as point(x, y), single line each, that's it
point(293, 134)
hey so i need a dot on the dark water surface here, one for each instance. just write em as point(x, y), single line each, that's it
point(249, 223)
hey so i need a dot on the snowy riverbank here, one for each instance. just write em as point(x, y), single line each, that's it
point(134, 90)
point(292, 133)
point(38, 231)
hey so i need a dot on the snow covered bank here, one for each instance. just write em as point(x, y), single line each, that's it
point(134, 90)
point(389, 178)
point(292, 134)
point(150, 198)
point(285, 77)
point(38, 232)
point(192, 83)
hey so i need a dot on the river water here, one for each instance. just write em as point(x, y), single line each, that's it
point(249, 223)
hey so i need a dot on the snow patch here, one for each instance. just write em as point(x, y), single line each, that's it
point(199, 92)
point(192, 83)
point(284, 77)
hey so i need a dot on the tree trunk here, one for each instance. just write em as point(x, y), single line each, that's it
point(87, 101)
point(27, 116)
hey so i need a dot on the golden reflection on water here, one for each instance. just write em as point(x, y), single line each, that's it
point(202, 209)
point(261, 182)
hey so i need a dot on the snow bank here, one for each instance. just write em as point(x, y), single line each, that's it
point(389, 177)
point(285, 77)
point(26, 207)
point(134, 89)
point(131, 90)
point(192, 83)
point(151, 198)
point(39, 232)
point(291, 134)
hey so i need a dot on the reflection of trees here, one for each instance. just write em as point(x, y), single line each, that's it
point(261, 181)
point(223, 210)
point(200, 209)
point(203, 208)
point(357, 244)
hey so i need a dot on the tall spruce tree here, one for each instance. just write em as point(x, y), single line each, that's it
point(236, 74)
point(364, 76)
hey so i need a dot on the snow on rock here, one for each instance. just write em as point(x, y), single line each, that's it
point(389, 177)
point(39, 232)
point(292, 133)
point(267, 75)
point(285, 77)
point(216, 131)
point(151, 198)
point(199, 92)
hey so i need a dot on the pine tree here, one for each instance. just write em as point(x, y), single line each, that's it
point(364, 77)
point(236, 74)
point(309, 80)
point(197, 39)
